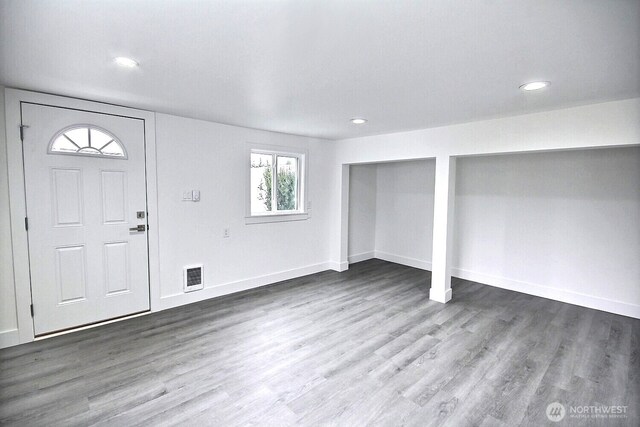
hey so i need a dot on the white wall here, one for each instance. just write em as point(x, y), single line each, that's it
point(8, 320)
point(564, 225)
point(194, 154)
point(597, 125)
point(210, 157)
point(609, 124)
point(391, 212)
point(362, 212)
point(404, 212)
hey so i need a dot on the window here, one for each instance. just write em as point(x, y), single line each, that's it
point(276, 184)
point(87, 140)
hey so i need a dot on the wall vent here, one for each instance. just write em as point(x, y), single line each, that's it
point(193, 278)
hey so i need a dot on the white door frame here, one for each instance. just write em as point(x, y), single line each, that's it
point(17, 200)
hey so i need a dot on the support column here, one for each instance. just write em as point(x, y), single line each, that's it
point(344, 219)
point(340, 220)
point(443, 208)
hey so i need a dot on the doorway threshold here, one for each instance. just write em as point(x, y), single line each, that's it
point(90, 325)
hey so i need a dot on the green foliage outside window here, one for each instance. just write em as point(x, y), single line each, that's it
point(286, 191)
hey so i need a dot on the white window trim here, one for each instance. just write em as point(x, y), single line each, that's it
point(302, 213)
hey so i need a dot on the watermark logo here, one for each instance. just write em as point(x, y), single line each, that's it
point(598, 411)
point(556, 412)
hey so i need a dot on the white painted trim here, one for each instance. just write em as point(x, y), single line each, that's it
point(281, 217)
point(9, 338)
point(176, 300)
point(17, 202)
point(436, 294)
point(403, 260)
point(153, 219)
point(338, 266)
point(17, 207)
point(361, 257)
point(562, 295)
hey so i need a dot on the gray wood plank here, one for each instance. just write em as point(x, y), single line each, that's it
point(363, 347)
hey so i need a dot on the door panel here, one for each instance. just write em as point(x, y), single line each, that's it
point(71, 262)
point(83, 193)
point(114, 196)
point(66, 195)
point(116, 260)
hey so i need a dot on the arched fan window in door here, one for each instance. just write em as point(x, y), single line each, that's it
point(87, 140)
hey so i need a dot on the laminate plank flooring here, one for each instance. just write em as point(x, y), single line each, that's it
point(363, 347)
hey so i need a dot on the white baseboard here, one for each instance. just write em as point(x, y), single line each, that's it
point(443, 297)
point(398, 259)
point(12, 337)
point(361, 257)
point(9, 338)
point(562, 295)
point(176, 300)
point(338, 266)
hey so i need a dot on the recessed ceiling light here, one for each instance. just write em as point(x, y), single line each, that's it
point(126, 62)
point(534, 86)
point(358, 121)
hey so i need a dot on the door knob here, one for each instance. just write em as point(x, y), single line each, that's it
point(141, 227)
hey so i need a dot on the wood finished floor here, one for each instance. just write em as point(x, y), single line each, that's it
point(363, 347)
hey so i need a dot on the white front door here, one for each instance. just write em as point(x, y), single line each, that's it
point(85, 191)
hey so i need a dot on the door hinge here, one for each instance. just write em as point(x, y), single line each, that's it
point(22, 128)
point(31, 310)
point(26, 223)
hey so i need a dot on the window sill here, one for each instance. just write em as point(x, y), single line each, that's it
point(283, 217)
